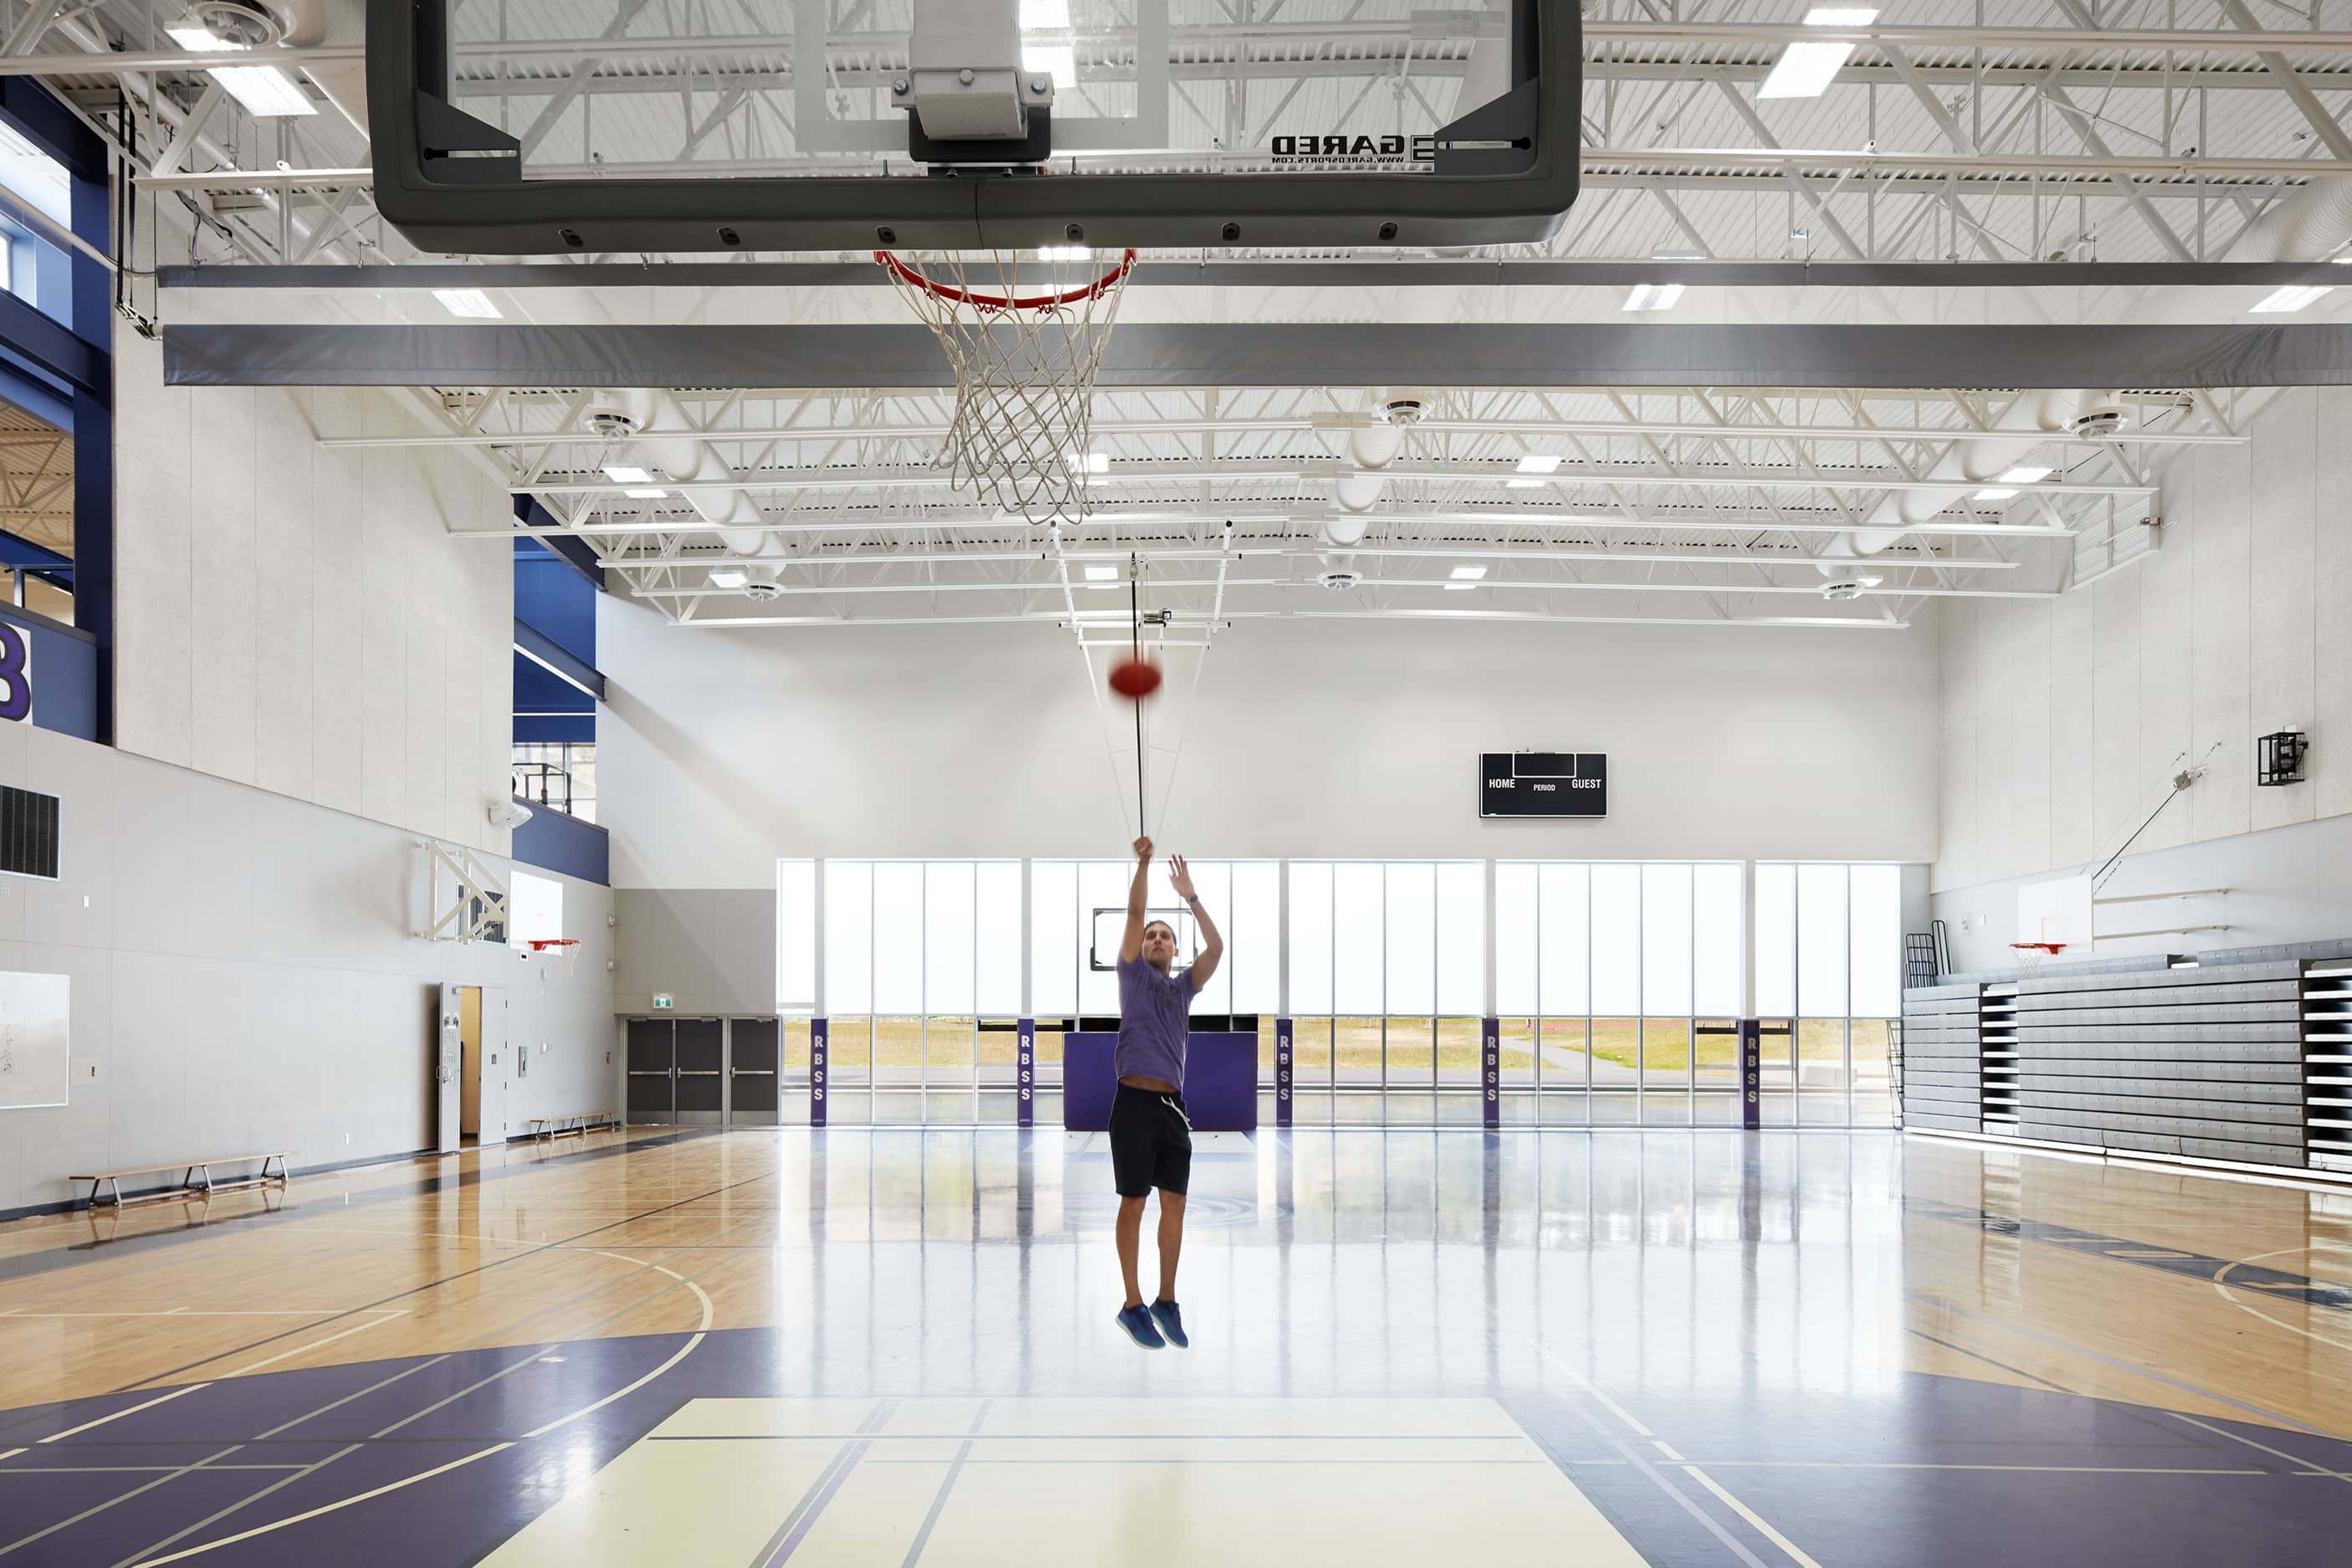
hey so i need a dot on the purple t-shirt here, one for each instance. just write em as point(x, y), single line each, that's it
point(1154, 1018)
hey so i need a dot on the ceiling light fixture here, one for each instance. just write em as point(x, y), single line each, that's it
point(1539, 463)
point(1678, 255)
point(1654, 297)
point(2294, 296)
point(1065, 253)
point(732, 577)
point(469, 303)
point(646, 495)
point(267, 92)
point(2023, 475)
point(1994, 494)
point(1102, 574)
point(623, 474)
point(1806, 69)
point(1468, 573)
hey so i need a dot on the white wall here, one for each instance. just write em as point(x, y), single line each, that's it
point(2060, 715)
point(294, 617)
point(242, 973)
point(723, 750)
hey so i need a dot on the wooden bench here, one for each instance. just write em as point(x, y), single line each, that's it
point(578, 1124)
point(188, 1181)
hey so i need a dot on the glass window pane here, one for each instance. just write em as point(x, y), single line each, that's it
point(1254, 943)
point(1877, 941)
point(1776, 942)
point(796, 936)
point(1310, 938)
point(1102, 885)
point(1412, 934)
point(1357, 909)
point(1054, 955)
point(1515, 938)
point(1461, 938)
point(1820, 942)
point(848, 938)
point(1564, 947)
point(1617, 940)
point(897, 941)
point(948, 925)
point(996, 986)
point(1213, 880)
point(1666, 939)
point(1715, 941)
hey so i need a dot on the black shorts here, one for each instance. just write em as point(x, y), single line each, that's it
point(1150, 1141)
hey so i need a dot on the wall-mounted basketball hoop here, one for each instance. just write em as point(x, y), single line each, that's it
point(552, 955)
point(2029, 955)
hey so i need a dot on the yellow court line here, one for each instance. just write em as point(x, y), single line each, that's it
point(119, 1414)
point(326, 1508)
point(383, 1316)
point(13, 1452)
point(184, 1313)
point(683, 1352)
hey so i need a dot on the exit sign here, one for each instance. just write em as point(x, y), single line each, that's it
point(664, 999)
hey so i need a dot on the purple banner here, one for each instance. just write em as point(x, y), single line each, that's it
point(1751, 1073)
point(1282, 1057)
point(1490, 1073)
point(816, 1071)
point(1024, 1059)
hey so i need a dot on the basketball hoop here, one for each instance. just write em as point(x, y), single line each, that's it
point(1024, 367)
point(2029, 955)
point(554, 956)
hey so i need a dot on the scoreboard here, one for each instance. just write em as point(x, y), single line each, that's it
point(1543, 783)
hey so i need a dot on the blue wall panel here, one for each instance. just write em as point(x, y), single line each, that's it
point(554, 842)
point(63, 670)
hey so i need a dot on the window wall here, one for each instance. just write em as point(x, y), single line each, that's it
point(1618, 985)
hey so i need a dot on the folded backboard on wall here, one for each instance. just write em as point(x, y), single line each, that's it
point(33, 1040)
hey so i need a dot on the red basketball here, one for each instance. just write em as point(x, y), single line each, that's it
point(1135, 678)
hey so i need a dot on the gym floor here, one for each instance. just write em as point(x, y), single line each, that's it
point(889, 1347)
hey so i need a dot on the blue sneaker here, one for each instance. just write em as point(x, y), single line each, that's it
point(1171, 1323)
point(1136, 1322)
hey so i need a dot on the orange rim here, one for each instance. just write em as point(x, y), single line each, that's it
point(947, 292)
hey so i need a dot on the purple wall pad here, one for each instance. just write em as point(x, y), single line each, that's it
point(1220, 1082)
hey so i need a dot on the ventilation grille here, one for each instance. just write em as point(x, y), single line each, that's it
point(28, 833)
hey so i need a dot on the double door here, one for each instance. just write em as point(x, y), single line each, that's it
point(702, 1072)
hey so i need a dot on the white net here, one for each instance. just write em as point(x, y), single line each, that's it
point(2029, 955)
point(1024, 340)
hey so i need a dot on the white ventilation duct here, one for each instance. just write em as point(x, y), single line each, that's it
point(688, 460)
point(1370, 447)
point(2312, 225)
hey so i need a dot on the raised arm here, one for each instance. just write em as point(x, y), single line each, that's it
point(1130, 945)
point(1212, 942)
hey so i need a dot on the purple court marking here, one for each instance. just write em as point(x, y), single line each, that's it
point(1824, 1468)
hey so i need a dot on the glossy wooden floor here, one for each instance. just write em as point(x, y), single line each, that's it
point(1765, 1349)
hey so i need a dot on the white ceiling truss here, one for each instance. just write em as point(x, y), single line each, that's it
point(2108, 130)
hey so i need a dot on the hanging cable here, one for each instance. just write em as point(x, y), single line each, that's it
point(1135, 614)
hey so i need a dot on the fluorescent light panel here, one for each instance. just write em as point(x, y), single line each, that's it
point(646, 495)
point(623, 474)
point(1468, 573)
point(195, 37)
point(1994, 494)
point(1065, 253)
point(267, 92)
point(728, 577)
point(471, 303)
point(1806, 69)
point(2025, 475)
point(1540, 462)
point(1654, 297)
point(1102, 574)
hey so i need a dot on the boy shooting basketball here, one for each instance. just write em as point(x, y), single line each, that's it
point(1151, 1137)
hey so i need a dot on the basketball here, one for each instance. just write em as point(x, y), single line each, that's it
point(1135, 678)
